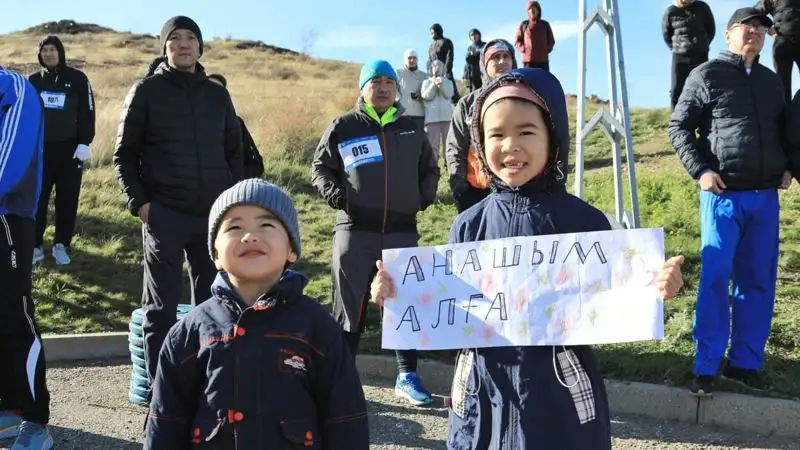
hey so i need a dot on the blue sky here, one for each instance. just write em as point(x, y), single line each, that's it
point(360, 30)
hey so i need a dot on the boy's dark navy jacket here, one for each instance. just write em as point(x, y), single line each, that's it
point(274, 375)
point(514, 397)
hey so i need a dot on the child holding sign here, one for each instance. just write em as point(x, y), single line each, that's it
point(527, 397)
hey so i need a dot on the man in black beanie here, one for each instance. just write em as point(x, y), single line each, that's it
point(179, 145)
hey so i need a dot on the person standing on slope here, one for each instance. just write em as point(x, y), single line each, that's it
point(535, 39)
point(179, 146)
point(24, 398)
point(786, 30)
point(441, 48)
point(69, 130)
point(410, 79)
point(688, 28)
point(472, 68)
point(376, 168)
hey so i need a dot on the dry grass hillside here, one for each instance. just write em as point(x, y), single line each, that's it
point(286, 100)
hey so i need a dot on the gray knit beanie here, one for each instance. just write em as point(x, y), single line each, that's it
point(255, 191)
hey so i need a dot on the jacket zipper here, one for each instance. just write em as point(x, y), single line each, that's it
point(196, 145)
point(385, 180)
point(758, 122)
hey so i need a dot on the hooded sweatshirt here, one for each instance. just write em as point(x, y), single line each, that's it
point(529, 397)
point(534, 37)
point(69, 110)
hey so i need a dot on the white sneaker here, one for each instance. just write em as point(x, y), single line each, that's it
point(38, 255)
point(60, 255)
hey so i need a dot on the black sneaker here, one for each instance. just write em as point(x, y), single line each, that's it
point(746, 377)
point(702, 386)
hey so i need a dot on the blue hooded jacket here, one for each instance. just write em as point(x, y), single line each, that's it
point(529, 398)
point(21, 144)
point(276, 374)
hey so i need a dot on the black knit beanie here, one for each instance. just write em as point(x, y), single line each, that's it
point(179, 23)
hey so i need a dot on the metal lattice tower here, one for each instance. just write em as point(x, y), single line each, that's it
point(615, 123)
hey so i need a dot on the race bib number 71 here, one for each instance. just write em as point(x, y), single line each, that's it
point(357, 152)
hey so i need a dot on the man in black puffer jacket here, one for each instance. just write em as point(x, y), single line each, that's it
point(740, 158)
point(179, 145)
point(786, 48)
point(688, 28)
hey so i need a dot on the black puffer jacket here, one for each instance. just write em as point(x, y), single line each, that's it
point(786, 15)
point(689, 30)
point(741, 122)
point(179, 142)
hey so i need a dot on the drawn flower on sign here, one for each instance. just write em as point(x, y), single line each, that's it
point(592, 315)
point(563, 276)
point(468, 330)
point(564, 325)
point(442, 289)
point(549, 311)
point(487, 284)
point(391, 256)
point(597, 287)
point(520, 300)
point(628, 253)
point(424, 299)
point(524, 330)
point(388, 318)
point(424, 340)
point(485, 248)
point(544, 280)
point(487, 332)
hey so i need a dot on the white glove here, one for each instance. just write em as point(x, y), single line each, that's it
point(81, 153)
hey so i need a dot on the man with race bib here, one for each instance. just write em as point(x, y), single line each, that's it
point(375, 167)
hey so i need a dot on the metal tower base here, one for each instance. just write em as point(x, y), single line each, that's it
point(614, 123)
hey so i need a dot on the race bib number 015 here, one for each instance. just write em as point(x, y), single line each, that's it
point(54, 100)
point(357, 152)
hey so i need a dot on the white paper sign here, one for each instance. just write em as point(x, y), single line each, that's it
point(566, 289)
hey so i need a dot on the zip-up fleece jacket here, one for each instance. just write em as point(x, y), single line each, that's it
point(179, 142)
point(785, 14)
point(515, 398)
point(411, 81)
point(68, 99)
point(740, 121)
point(21, 145)
point(534, 37)
point(472, 68)
point(688, 30)
point(270, 376)
point(441, 48)
point(378, 172)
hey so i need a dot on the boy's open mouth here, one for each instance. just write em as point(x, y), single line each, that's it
point(252, 253)
point(514, 164)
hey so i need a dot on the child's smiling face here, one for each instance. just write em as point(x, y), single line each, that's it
point(516, 141)
point(252, 244)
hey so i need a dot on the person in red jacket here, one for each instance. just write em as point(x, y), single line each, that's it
point(535, 39)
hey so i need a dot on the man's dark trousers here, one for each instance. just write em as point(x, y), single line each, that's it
point(61, 170)
point(168, 237)
point(22, 364)
point(785, 54)
point(682, 66)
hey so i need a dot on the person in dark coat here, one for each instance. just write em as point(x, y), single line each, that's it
point(179, 145)
point(473, 74)
point(259, 365)
point(253, 161)
point(729, 129)
point(441, 48)
point(531, 397)
point(786, 31)
point(688, 27)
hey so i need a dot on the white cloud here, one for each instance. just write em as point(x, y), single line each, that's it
point(358, 37)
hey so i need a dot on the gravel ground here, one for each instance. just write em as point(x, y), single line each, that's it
point(90, 411)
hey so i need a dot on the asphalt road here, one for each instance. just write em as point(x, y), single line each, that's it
point(90, 410)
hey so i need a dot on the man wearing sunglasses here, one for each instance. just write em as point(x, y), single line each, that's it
point(740, 158)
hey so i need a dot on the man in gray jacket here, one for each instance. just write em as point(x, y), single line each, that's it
point(729, 129)
point(409, 87)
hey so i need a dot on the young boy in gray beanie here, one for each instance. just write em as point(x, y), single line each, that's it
point(259, 359)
